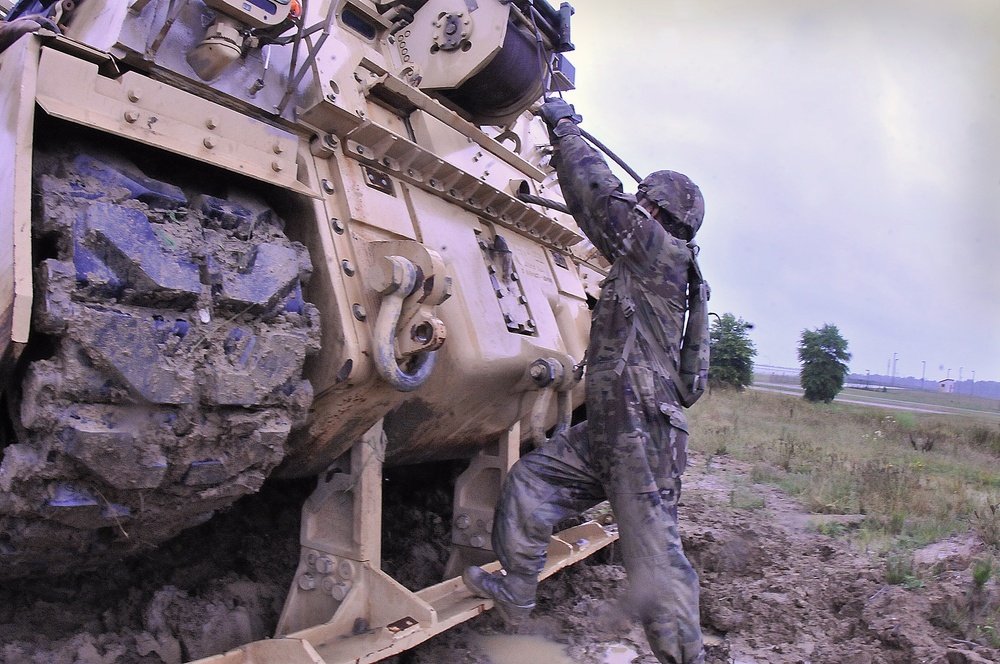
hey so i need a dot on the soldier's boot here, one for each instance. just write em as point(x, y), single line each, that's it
point(512, 594)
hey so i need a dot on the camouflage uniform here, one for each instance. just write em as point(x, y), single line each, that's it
point(633, 448)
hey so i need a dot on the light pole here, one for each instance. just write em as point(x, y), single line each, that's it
point(972, 388)
point(923, 372)
point(894, 368)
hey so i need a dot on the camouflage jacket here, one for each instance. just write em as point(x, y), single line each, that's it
point(649, 274)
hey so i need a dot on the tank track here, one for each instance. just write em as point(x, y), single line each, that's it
point(169, 334)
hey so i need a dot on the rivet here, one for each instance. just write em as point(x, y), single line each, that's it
point(361, 149)
point(276, 166)
point(277, 148)
point(328, 186)
point(307, 582)
point(348, 267)
point(211, 123)
point(359, 312)
point(209, 142)
point(131, 116)
point(477, 541)
point(324, 565)
point(338, 227)
point(134, 95)
point(339, 591)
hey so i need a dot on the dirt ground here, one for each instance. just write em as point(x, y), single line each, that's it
point(773, 588)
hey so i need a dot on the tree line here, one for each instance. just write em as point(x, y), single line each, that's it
point(822, 352)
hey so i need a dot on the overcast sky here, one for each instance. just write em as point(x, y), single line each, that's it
point(848, 152)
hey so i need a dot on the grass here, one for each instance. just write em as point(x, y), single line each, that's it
point(850, 458)
point(844, 458)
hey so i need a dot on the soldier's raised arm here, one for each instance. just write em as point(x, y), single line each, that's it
point(11, 31)
point(592, 192)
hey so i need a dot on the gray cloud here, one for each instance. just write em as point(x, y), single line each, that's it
point(848, 152)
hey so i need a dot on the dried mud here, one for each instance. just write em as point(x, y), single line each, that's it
point(773, 589)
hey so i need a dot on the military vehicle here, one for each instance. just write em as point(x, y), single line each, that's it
point(289, 238)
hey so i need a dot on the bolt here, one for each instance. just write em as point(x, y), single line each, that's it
point(330, 140)
point(522, 299)
point(209, 142)
point(477, 541)
point(346, 570)
point(324, 565)
point(538, 371)
point(131, 116)
point(276, 166)
point(328, 186)
point(339, 591)
point(338, 227)
point(359, 312)
point(348, 267)
point(134, 95)
point(277, 148)
point(331, 97)
point(361, 149)
point(307, 582)
point(462, 522)
point(211, 123)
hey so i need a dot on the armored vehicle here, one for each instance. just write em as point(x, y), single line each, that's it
point(290, 238)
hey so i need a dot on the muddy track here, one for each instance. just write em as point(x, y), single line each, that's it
point(163, 374)
point(774, 591)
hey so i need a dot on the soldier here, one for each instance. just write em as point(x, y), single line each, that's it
point(14, 30)
point(633, 448)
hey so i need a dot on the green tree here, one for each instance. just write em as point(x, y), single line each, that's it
point(731, 361)
point(824, 357)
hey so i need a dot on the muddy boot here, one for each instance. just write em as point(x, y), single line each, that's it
point(513, 597)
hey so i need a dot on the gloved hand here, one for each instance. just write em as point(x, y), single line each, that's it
point(11, 32)
point(556, 109)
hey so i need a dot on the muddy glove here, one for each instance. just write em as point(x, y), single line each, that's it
point(11, 32)
point(554, 110)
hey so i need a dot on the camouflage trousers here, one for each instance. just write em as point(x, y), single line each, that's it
point(556, 481)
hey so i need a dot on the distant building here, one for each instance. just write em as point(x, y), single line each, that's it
point(947, 385)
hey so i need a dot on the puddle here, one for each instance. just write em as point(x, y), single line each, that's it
point(521, 649)
point(619, 653)
point(527, 649)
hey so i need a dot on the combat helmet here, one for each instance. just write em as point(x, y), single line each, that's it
point(675, 194)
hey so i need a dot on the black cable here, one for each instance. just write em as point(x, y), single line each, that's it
point(545, 202)
point(603, 148)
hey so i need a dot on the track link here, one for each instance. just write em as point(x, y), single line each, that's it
point(170, 334)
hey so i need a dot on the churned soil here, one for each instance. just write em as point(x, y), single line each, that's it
point(774, 589)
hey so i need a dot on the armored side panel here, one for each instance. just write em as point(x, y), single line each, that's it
point(254, 239)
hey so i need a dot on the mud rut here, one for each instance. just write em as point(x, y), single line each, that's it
point(773, 590)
